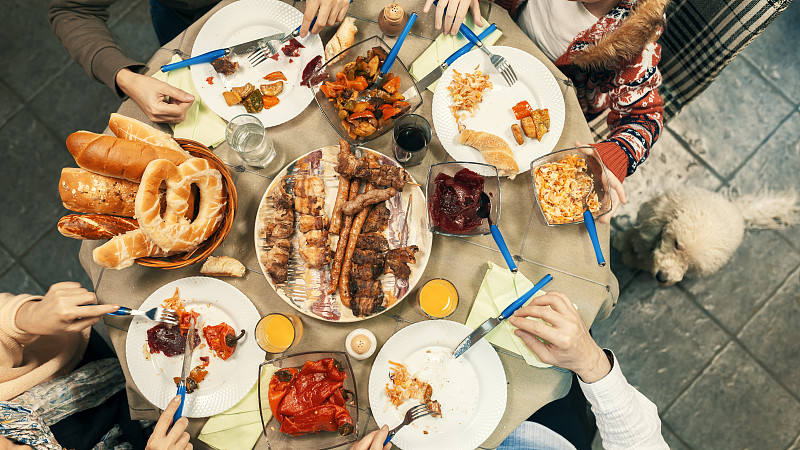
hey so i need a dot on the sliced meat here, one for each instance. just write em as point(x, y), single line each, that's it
point(398, 268)
point(377, 220)
point(365, 288)
point(361, 257)
point(366, 306)
point(403, 254)
point(372, 241)
point(224, 65)
point(365, 272)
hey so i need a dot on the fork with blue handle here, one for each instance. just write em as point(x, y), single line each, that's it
point(157, 314)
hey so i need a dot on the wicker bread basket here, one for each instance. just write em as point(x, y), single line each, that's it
point(206, 248)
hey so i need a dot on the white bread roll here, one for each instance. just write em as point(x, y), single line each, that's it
point(115, 157)
point(95, 226)
point(121, 251)
point(133, 130)
point(87, 192)
point(222, 266)
point(343, 38)
point(495, 151)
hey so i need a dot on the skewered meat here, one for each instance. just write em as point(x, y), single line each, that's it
point(380, 175)
point(308, 223)
point(277, 260)
point(403, 254)
point(282, 199)
point(377, 220)
point(367, 199)
point(361, 257)
point(309, 187)
point(315, 257)
point(314, 238)
point(312, 206)
point(365, 306)
point(365, 288)
point(366, 272)
point(282, 229)
point(373, 241)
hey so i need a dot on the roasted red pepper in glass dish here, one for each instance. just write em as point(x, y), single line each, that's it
point(311, 399)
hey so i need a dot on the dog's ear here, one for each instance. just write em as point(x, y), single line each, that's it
point(653, 217)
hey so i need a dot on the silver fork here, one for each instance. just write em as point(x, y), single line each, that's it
point(411, 415)
point(498, 61)
point(158, 314)
point(265, 51)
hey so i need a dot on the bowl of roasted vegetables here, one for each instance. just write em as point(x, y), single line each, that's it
point(346, 93)
point(308, 400)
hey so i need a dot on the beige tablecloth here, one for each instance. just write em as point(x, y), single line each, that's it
point(565, 252)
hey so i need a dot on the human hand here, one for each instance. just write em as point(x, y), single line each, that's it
point(66, 308)
point(177, 438)
point(8, 444)
point(374, 440)
point(615, 189)
point(567, 340)
point(150, 95)
point(449, 19)
point(328, 13)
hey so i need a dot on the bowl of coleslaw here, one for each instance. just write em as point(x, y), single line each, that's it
point(559, 185)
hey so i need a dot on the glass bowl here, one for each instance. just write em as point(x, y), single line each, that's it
point(336, 65)
point(594, 167)
point(491, 186)
point(313, 441)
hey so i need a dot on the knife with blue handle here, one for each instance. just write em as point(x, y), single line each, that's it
point(239, 49)
point(492, 322)
point(436, 73)
point(187, 364)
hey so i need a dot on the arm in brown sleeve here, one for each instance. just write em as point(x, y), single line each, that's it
point(81, 27)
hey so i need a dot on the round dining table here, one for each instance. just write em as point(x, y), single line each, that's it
point(564, 251)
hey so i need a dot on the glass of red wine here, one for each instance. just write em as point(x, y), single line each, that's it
point(411, 136)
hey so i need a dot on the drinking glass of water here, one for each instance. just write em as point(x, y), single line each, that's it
point(411, 136)
point(247, 137)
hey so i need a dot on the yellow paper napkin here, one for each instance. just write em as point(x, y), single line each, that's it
point(446, 45)
point(498, 290)
point(201, 124)
point(239, 427)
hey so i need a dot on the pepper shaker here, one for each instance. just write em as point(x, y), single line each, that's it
point(392, 19)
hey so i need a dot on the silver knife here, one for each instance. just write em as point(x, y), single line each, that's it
point(238, 49)
point(436, 73)
point(187, 367)
point(492, 322)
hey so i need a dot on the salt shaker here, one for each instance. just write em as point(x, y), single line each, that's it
point(360, 343)
point(392, 19)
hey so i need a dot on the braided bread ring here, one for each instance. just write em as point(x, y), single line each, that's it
point(173, 232)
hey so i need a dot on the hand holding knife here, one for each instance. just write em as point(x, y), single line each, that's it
point(492, 322)
point(187, 365)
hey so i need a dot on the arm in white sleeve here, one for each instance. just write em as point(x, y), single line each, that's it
point(625, 418)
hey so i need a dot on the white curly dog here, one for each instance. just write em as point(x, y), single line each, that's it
point(695, 231)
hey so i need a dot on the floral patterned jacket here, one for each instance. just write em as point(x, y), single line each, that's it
point(613, 65)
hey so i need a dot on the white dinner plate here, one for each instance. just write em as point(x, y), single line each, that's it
point(243, 21)
point(471, 389)
point(309, 294)
point(228, 381)
point(494, 115)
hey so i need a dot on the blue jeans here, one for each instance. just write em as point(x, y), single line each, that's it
point(166, 22)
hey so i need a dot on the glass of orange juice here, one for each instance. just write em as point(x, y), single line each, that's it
point(437, 298)
point(276, 332)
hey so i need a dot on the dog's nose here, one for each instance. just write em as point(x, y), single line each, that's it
point(661, 277)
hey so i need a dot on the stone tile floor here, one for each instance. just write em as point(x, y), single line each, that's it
point(717, 355)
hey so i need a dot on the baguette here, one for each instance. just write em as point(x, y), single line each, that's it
point(115, 157)
point(87, 192)
point(343, 39)
point(494, 149)
point(222, 266)
point(133, 130)
point(95, 226)
point(122, 250)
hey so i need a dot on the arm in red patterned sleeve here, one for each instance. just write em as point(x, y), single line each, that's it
point(637, 113)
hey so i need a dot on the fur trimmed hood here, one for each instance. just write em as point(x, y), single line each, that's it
point(642, 26)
